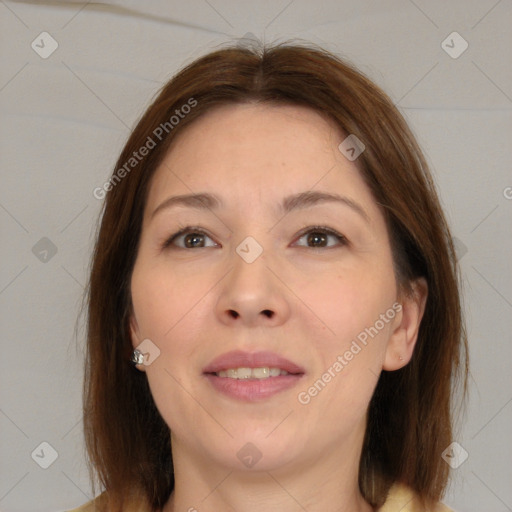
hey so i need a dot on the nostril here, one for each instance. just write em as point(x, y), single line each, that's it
point(266, 312)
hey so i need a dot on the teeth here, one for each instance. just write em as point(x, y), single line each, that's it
point(261, 373)
point(252, 373)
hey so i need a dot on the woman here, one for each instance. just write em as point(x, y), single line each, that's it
point(274, 261)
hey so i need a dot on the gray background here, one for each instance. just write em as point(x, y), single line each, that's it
point(66, 117)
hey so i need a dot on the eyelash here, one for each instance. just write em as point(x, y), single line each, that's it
point(198, 231)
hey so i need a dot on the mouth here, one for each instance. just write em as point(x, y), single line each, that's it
point(252, 376)
point(251, 373)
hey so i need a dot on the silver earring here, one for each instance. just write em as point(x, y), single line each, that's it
point(401, 358)
point(137, 357)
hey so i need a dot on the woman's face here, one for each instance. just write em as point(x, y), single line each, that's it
point(261, 272)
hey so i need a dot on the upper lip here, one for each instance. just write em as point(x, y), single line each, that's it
point(241, 359)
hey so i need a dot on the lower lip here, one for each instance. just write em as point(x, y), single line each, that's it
point(252, 390)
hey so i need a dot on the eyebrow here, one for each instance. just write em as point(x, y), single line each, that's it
point(207, 201)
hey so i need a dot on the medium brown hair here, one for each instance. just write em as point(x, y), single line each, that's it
point(410, 417)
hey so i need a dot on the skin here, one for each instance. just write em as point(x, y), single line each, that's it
point(322, 296)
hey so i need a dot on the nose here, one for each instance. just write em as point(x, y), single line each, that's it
point(253, 294)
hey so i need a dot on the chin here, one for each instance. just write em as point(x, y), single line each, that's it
point(251, 452)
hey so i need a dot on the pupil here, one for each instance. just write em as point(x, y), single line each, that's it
point(190, 239)
point(317, 236)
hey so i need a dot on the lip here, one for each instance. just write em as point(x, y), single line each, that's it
point(252, 390)
point(241, 359)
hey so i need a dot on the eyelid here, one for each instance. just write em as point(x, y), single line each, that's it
point(328, 231)
point(183, 231)
point(200, 231)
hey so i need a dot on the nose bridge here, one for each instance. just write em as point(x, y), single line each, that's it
point(251, 292)
point(250, 275)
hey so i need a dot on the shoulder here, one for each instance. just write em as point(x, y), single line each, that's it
point(400, 499)
point(99, 504)
point(403, 499)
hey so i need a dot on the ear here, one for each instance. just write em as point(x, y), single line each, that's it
point(135, 337)
point(406, 327)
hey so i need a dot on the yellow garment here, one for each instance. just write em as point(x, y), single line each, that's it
point(400, 499)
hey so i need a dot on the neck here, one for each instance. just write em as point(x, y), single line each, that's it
point(332, 486)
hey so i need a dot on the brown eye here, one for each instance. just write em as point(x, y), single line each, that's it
point(317, 237)
point(193, 238)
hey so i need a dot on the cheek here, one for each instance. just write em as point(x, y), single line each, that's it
point(162, 300)
point(349, 302)
point(351, 359)
point(161, 313)
point(169, 309)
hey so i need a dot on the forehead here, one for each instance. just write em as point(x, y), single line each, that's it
point(273, 132)
point(255, 151)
